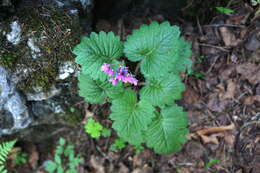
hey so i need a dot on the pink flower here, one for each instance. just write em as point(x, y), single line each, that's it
point(106, 68)
point(121, 74)
point(114, 81)
point(130, 79)
point(110, 72)
point(134, 81)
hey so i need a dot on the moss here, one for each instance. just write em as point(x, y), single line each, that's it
point(42, 79)
point(56, 33)
point(8, 59)
point(73, 118)
point(8, 53)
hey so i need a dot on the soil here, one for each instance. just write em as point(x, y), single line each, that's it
point(222, 99)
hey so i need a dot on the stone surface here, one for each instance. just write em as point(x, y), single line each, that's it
point(14, 114)
point(14, 36)
point(37, 68)
point(38, 94)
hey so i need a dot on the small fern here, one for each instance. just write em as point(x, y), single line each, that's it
point(5, 149)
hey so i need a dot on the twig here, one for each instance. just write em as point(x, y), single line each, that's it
point(199, 26)
point(215, 129)
point(224, 25)
point(209, 70)
point(217, 47)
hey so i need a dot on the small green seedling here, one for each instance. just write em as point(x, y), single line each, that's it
point(138, 149)
point(95, 129)
point(197, 75)
point(118, 144)
point(178, 170)
point(225, 10)
point(200, 58)
point(65, 160)
point(21, 158)
point(211, 163)
point(106, 132)
point(72, 110)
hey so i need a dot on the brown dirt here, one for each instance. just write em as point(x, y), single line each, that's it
point(227, 53)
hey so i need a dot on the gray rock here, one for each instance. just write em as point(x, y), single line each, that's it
point(66, 3)
point(38, 94)
point(14, 114)
point(66, 69)
point(14, 36)
point(85, 3)
point(35, 50)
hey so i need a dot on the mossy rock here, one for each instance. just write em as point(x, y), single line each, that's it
point(55, 32)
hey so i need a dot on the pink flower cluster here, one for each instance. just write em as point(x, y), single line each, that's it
point(121, 74)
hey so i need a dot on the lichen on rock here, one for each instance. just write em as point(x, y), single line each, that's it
point(36, 48)
point(14, 36)
point(45, 37)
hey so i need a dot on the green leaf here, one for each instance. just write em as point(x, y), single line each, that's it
point(62, 141)
point(138, 149)
point(180, 57)
point(75, 162)
point(57, 159)
point(59, 150)
point(71, 171)
point(106, 132)
point(163, 91)
point(51, 166)
point(115, 92)
point(60, 169)
point(225, 10)
point(211, 163)
point(199, 75)
point(5, 149)
point(93, 128)
point(118, 144)
point(95, 50)
point(152, 44)
point(93, 91)
point(69, 149)
point(21, 158)
point(167, 132)
point(130, 116)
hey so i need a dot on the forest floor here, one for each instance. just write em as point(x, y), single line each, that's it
point(222, 99)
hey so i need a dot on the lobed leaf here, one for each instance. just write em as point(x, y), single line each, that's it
point(164, 90)
point(95, 91)
point(152, 45)
point(167, 132)
point(93, 128)
point(180, 58)
point(97, 49)
point(131, 117)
